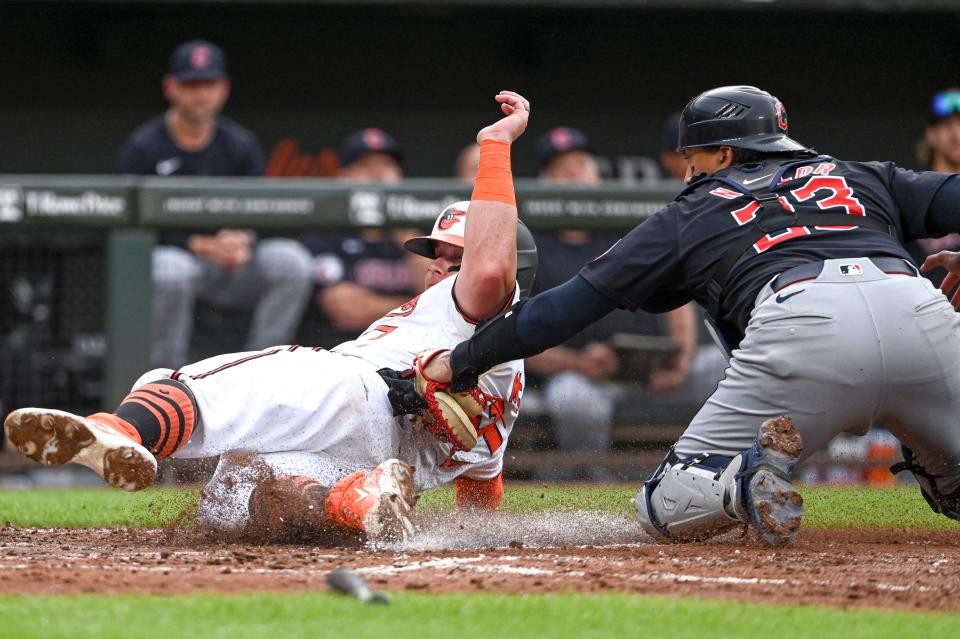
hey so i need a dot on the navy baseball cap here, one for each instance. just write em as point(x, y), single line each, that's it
point(198, 60)
point(558, 141)
point(944, 104)
point(371, 140)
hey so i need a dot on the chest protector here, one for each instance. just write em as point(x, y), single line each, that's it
point(772, 217)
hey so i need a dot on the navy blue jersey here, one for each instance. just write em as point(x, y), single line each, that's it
point(151, 151)
point(669, 259)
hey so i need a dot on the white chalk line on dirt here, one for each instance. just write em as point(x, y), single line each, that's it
point(449, 565)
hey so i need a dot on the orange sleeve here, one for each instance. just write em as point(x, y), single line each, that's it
point(483, 494)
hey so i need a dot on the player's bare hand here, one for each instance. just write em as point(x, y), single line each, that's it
point(233, 250)
point(949, 260)
point(516, 108)
point(438, 368)
point(666, 379)
point(598, 361)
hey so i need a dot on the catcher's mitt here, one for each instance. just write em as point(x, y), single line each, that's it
point(450, 417)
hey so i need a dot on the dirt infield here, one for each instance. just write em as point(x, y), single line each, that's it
point(878, 569)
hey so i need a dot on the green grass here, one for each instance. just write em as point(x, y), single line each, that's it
point(415, 616)
point(826, 507)
point(98, 507)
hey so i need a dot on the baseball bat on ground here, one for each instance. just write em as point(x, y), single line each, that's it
point(348, 582)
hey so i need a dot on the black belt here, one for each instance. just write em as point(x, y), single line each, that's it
point(889, 265)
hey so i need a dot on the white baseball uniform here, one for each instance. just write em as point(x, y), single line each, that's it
point(325, 414)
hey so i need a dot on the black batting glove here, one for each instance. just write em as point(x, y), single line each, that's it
point(403, 396)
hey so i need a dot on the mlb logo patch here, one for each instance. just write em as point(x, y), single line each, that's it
point(851, 269)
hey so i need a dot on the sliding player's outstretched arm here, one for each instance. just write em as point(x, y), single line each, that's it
point(488, 272)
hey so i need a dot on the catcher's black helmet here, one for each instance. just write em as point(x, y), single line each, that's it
point(741, 117)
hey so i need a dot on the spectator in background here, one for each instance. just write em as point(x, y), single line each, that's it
point(579, 396)
point(672, 162)
point(939, 150)
point(362, 276)
point(467, 162)
point(942, 136)
point(371, 155)
point(231, 268)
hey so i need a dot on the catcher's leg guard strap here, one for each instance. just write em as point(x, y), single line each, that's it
point(948, 505)
point(690, 499)
point(164, 413)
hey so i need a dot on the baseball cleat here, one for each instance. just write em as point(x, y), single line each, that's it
point(774, 506)
point(55, 437)
point(378, 503)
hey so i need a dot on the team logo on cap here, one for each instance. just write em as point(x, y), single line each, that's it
point(201, 57)
point(561, 138)
point(851, 269)
point(781, 116)
point(449, 219)
point(374, 139)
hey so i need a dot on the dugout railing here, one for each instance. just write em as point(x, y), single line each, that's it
point(126, 213)
point(82, 246)
point(75, 283)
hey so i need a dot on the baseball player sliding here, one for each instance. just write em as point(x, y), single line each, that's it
point(799, 259)
point(310, 439)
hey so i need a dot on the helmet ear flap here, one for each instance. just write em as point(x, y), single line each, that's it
point(527, 259)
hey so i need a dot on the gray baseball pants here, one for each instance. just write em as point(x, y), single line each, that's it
point(275, 283)
point(839, 354)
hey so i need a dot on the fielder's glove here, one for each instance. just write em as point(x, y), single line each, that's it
point(403, 395)
point(450, 417)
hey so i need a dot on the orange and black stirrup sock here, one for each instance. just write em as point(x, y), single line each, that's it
point(164, 413)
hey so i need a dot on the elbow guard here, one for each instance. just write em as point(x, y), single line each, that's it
point(496, 341)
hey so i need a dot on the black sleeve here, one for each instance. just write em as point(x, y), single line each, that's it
point(944, 213)
point(528, 328)
point(913, 192)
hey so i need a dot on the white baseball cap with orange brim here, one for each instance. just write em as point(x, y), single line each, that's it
point(448, 228)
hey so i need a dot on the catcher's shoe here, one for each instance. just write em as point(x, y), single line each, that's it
point(55, 437)
point(377, 504)
point(771, 502)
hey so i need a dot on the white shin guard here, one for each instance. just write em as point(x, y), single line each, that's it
point(686, 501)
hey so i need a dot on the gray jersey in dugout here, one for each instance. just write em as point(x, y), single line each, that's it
point(854, 347)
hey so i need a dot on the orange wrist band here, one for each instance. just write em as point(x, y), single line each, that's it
point(494, 179)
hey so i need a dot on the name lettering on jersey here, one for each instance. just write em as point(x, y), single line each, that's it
point(727, 194)
point(496, 411)
point(404, 310)
point(491, 432)
point(381, 330)
point(516, 390)
point(824, 168)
